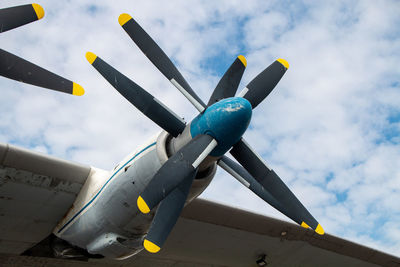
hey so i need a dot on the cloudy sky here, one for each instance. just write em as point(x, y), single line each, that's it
point(330, 128)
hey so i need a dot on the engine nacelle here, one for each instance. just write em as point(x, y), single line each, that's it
point(104, 218)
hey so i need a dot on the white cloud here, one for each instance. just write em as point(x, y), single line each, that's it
point(325, 129)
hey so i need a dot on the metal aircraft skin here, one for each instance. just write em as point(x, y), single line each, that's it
point(135, 206)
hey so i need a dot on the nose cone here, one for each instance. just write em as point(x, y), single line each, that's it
point(226, 121)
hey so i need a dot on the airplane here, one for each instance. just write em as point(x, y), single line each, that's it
point(148, 203)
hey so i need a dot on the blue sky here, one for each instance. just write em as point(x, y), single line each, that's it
point(329, 129)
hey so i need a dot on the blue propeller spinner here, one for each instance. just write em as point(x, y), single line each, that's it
point(226, 121)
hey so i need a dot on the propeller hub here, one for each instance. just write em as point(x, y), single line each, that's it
point(226, 121)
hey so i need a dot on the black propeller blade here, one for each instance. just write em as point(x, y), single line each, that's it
point(179, 167)
point(142, 100)
point(14, 17)
point(19, 69)
point(153, 52)
point(272, 183)
point(244, 177)
point(263, 84)
point(229, 83)
point(166, 216)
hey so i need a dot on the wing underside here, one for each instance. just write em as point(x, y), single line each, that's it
point(36, 191)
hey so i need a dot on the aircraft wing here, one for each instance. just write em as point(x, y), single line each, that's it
point(210, 234)
point(36, 191)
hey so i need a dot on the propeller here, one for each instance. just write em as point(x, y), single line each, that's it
point(217, 129)
point(14, 17)
point(16, 68)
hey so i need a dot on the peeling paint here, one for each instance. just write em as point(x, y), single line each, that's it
point(233, 108)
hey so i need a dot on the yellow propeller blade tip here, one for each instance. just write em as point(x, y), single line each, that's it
point(91, 57)
point(304, 225)
point(150, 246)
point(77, 89)
point(283, 62)
point(124, 18)
point(142, 205)
point(243, 59)
point(319, 230)
point(38, 10)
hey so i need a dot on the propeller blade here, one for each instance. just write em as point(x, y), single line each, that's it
point(166, 216)
point(154, 53)
point(142, 100)
point(245, 178)
point(14, 17)
point(19, 69)
point(253, 163)
point(229, 83)
point(263, 84)
point(179, 167)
